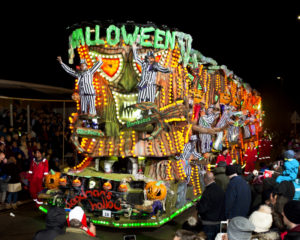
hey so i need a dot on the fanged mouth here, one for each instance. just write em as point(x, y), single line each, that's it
point(124, 107)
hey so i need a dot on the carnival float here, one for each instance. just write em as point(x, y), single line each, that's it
point(147, 147)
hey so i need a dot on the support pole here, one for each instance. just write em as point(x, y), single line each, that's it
point(11, 115)
point(64, 126)
point(28, 118)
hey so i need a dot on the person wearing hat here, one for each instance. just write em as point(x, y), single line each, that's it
point(78, 228)
point(224, 156)
point(220, 177)
point(55, 224)
point(147, 84)
point(85, 85)
point(206, 120)
point(291, 218)
point(237, 195)
point(291, 166)
point(240, 228)
point(262, 220)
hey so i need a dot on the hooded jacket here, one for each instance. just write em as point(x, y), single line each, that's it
point(220, 177)
point(55, 223)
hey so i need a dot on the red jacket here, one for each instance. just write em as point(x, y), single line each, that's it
point(223, 158)
point(250, 158)
point(38, 169)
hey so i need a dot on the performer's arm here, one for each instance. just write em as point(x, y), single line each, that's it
point(66, 67)
point(96, 65)
point(162, 69)
point(135, 55)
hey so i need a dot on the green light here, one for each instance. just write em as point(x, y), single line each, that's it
point(43, 209)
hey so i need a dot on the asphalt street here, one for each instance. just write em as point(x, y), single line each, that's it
point(21, 224)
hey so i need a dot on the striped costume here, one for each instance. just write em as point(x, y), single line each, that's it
point(206, 122)
point(188, 150)
point(147, 84)
point(86, 88)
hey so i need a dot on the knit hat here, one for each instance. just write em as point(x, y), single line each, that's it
point(289, 154)
point(262, 219)
point(78, 213)
point(230, 169)
point(240, 228)
point(292, 211)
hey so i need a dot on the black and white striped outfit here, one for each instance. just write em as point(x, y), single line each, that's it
point(188, 150)
point(206, 122)
point(217, 145)
point(85, 85)
point(147, 84)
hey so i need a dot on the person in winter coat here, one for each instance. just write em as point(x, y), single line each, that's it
point(238, 194)
point(291, 218)
point(210, 207)
point(291, 166)
point(262, 220)
point(220, 177)
point(78, 227)
point(55, 224)
point(224, 157)
point(3, 178)
point(14, 184)
point(38, 170)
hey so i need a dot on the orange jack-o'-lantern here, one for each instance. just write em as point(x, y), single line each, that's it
point(225, 98)
point(198, 95)
point(63, 181)
point(52, 180)
point(236, 102)
point(75, 96)
point(123, 187)
point(156, 190)
point(107, 186)
point(76, 182)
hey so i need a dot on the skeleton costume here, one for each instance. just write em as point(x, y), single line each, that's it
point(188, 150)
point(147, 84)
point(206, 122)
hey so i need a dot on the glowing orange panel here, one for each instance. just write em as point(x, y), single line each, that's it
point(110, 66)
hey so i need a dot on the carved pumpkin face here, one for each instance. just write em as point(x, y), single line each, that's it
point(107, 186)
point(225, 98)
point(52, 180)
point(123, 187)
point(156, 190)
point(76, 182)
point(63, 182)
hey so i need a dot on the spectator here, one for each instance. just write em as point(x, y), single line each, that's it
point(3, 178)
point(291, 218)
point(182, 234)
point(237, 196)
point(224, 156)
point(262, 220)
point(55, 224)
point(210, 207)
point(240, 228)
point(220, 177)
point(14, 184)
point(291, 166)
point(78, 228)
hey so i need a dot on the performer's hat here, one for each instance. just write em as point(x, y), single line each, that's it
point(83, 61)
point(150, 54)
point(193, 138)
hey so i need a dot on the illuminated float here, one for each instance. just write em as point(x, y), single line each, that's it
point(144, 162)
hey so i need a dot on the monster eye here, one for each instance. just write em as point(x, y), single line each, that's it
point(159, 57)
point(111, 67)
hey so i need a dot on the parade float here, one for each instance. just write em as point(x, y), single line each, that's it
point(143, 163)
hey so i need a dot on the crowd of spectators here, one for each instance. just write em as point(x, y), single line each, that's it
point(18, 146)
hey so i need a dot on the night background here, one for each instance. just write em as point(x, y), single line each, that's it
point(261, 44)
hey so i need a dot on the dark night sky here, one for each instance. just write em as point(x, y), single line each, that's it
point(259, 43)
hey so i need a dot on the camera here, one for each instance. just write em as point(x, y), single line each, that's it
point(223, 226)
